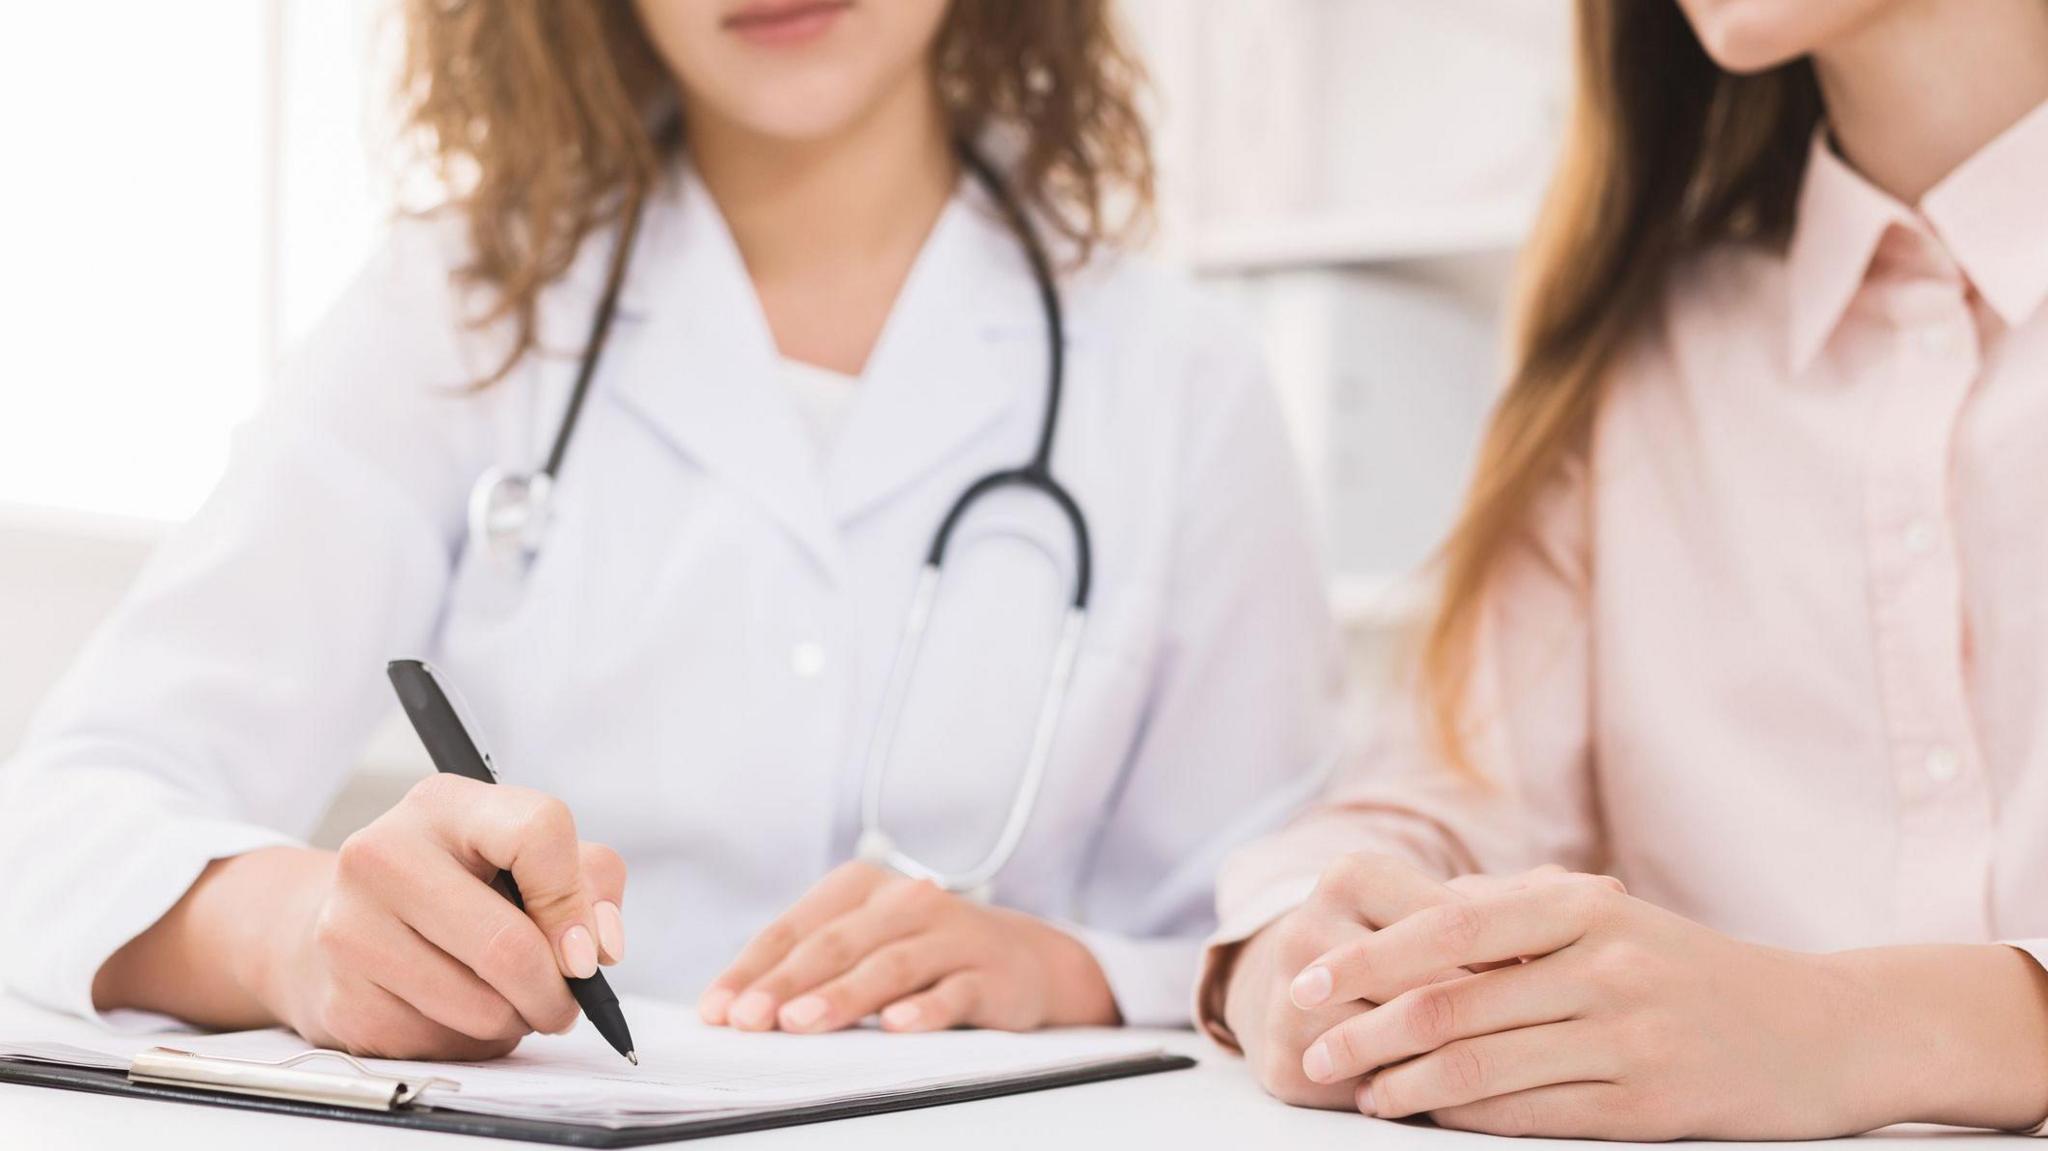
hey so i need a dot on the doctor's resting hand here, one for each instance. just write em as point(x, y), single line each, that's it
point(397, 945)
point(867, 940)
point(1555, 1003)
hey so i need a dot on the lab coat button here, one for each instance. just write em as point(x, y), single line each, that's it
point(807, 660)
point(1942, 765)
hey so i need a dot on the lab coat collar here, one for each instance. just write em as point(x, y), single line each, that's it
point(694, 357)
point(963, 341)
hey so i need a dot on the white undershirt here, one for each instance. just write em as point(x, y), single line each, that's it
point(823, 399)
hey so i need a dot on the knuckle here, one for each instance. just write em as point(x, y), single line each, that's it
point(1515, 1116)
point(1433, 1015)
point(1346, 875)
point(330, 933)
point(1464, 1068)
point(549, 819)
point(1354, 966)
point(508, 955)
point(1336, 874)
point(923, 896)
point(1291, 934)
point(893, 967)
point(832, 947)
point(363, 856)
point(1618, 967)
point(1594, 900)
point(1457, 925)
point(432, 791)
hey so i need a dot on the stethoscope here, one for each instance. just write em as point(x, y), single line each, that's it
point(509, 511)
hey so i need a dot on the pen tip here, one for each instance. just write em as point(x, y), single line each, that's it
point(633, 1057)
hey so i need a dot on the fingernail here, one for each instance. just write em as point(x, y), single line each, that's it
point(1315, 1063)
point(801, 1013)
point(901, 1015)
point(1311, 987)
point(579, 953)
point(711, 1007)
point(1365, 1104)
point(752, 1010)
point(611, 930)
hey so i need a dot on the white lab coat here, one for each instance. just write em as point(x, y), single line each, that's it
point(694, 661)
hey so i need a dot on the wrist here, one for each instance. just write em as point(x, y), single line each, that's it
point(209, 959)
point(268, 903)
point(1079, 988)
point(1958, 1034)
point(1235, 985)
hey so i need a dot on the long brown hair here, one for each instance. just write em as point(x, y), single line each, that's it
point(545, 119)
point(1666, 154)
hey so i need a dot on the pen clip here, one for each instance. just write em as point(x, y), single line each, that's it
point(465, 717)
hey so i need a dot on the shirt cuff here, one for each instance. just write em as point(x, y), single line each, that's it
point(1147, 977)
point(1246, 921)
point(2038, 950)
point(134, 884)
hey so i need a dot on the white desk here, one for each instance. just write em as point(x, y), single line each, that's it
point(1213, 1105)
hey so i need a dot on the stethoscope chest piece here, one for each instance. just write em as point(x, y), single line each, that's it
point(508, 513)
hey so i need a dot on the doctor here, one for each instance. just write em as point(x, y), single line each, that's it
point(675, 592)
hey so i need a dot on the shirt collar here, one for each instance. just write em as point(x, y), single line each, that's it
point(1841, 219)
point(1991, 214)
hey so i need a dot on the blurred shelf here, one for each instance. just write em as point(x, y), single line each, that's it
point(1324, 239)
point(1378, 603)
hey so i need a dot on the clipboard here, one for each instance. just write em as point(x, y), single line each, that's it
point(290, 1087)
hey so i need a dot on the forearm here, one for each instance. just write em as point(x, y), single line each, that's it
point(206, 960)
point(1963, 1029)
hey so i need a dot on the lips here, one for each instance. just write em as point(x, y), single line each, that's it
point(785, 21)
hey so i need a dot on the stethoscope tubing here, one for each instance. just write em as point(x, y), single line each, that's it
point(524, 523)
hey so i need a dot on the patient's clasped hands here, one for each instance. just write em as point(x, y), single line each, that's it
point(1555, 1003)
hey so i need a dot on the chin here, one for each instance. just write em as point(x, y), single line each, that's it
point(814, 108)
point(1748, 36)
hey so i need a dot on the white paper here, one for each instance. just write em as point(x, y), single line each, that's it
point(686, 1069)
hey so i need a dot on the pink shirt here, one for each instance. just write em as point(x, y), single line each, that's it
point(1776, 653)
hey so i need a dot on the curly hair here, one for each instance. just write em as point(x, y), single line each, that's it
point(544, 120)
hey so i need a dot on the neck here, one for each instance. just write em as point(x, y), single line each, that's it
point(1918, 89)
point(867, 194)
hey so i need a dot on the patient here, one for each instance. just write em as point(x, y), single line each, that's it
point(1748, 609)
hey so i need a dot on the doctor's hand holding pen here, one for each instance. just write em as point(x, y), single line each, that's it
point(867, 940)
point(397, 945)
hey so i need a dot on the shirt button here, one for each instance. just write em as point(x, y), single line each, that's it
point(1936, 341)
point(807, 660)
point(1942, 765)
point(1919, 537)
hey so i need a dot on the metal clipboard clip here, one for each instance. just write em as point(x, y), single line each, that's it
point(283, 1079)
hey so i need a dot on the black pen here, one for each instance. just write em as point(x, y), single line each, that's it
point(455, 751)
